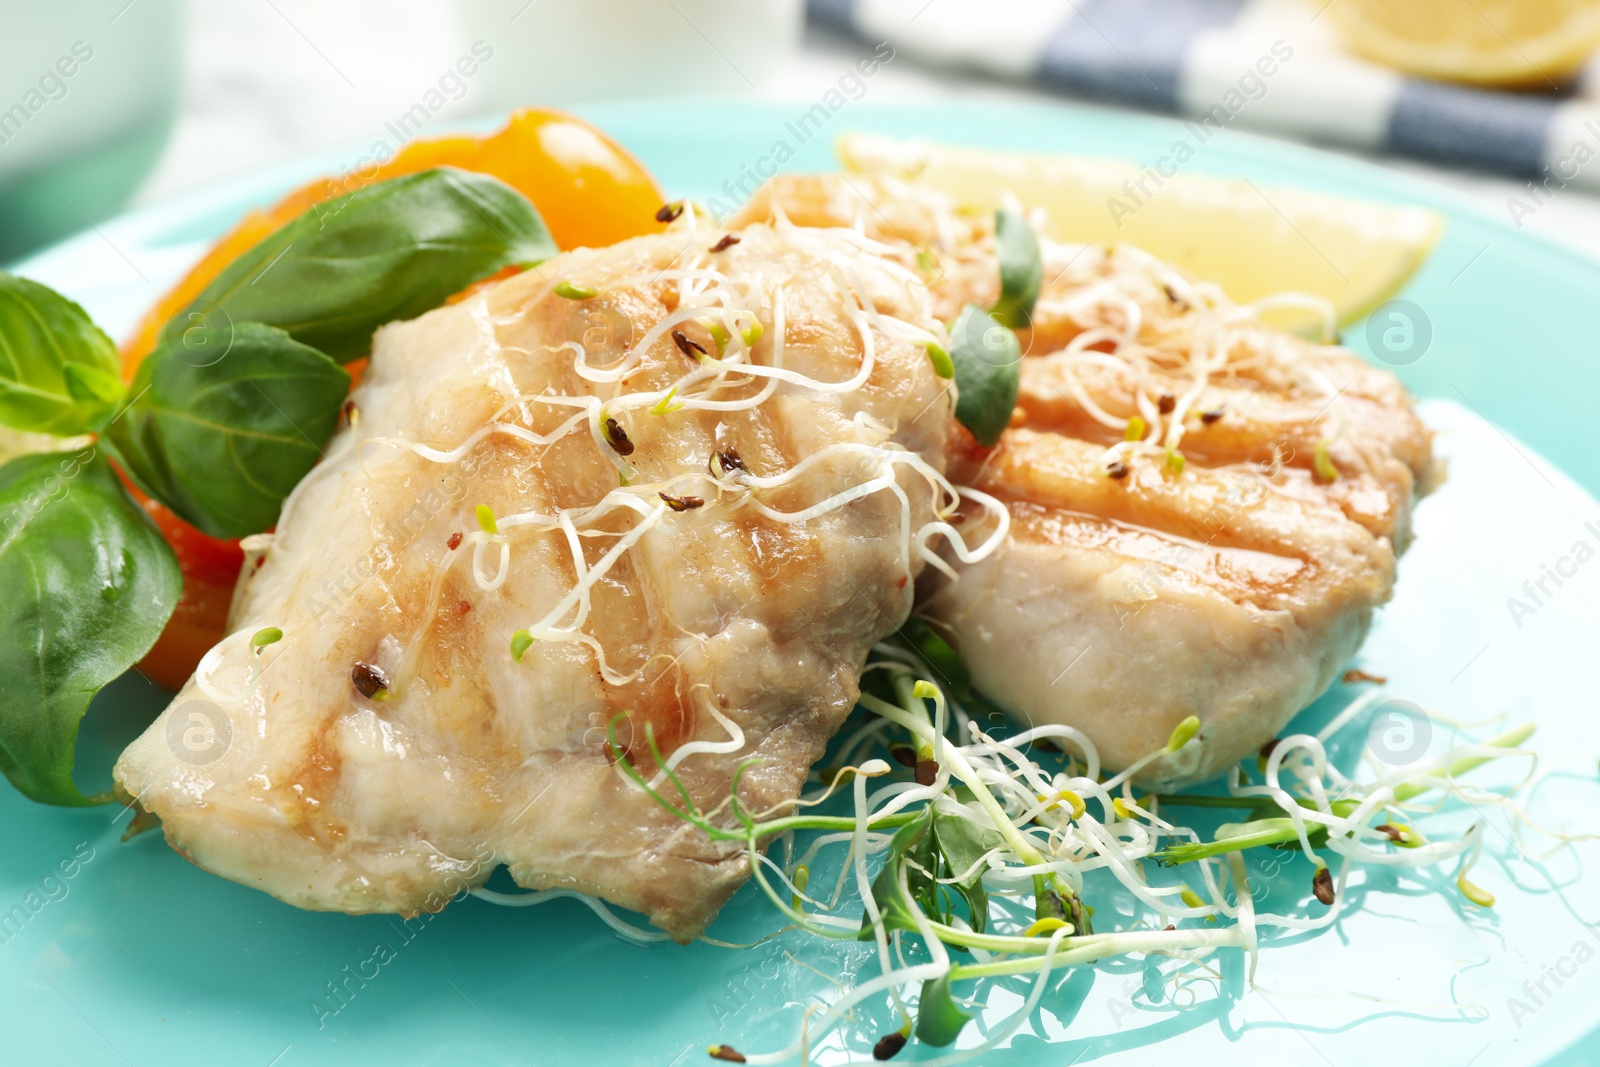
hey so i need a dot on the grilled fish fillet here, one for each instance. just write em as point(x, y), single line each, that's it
point(1226, 562)
point(730, 616)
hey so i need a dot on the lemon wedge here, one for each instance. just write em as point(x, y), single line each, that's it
point(1506, 43)
point(1253, 240)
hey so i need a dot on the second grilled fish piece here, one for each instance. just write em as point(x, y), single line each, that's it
point(1206, 511)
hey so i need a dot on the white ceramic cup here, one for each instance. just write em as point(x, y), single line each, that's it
point(88, 90)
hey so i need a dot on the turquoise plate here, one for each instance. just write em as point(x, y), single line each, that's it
point(136, 957)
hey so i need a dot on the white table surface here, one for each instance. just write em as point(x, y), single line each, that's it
point(268, 79)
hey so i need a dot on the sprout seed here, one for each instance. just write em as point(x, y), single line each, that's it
point(682, 503)
point(692, 349)
point(728, 460)
point(370, 681)
point(1322, 885)
point(617, 438)
point(889, 1045)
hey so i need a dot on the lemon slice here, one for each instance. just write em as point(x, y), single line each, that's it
point(1508, 43)
point(1253, 240)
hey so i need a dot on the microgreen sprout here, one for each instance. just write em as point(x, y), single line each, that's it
point(262, 638)
point(943, 366)
point(1322, 465)
point(752, 333)
point(486, 520)
point(719, 333)
point(800, 879)
point(1048, 925)
point(667, 405)
point(574, 292)
point(1074, 802)
point(993, 820)
point(1475, 893)
point(520, 642)
point(1136, 429)
point(1175, 461)
point(1182, 733)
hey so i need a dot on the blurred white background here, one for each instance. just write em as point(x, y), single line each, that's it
point(265, 79)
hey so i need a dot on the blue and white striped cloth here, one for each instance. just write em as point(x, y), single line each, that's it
point(1272, 65)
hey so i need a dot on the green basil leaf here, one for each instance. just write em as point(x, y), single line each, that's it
point(939, 1019)
point(222, 444)
point(988, 363)
point(88, 582)
point(58, 371)
point(389, 251)
point(1016, 246)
